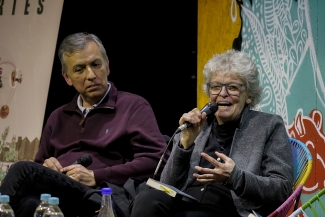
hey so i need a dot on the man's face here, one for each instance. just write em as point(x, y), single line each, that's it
point(87, 71)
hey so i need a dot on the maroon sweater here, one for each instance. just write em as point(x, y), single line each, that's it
point(121, 135)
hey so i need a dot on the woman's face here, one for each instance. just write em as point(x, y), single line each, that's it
point(230, 106)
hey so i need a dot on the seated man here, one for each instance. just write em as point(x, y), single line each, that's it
point(118, 130)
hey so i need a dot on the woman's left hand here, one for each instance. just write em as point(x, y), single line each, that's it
point(221, 171)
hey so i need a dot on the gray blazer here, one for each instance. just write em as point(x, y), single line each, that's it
point(262, 178)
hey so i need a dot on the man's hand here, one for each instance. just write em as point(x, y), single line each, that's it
point(80, 174)
point(53, 164)
point(221, 171)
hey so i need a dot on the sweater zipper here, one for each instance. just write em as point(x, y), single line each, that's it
point(81, 123)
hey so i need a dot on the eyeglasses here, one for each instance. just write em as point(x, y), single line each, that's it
point(232, 89)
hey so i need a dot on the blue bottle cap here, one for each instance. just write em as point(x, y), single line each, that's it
point(54, 200)
point(107, 191)
point(4, 198)
point(45, 196)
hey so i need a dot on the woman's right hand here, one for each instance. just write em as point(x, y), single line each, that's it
point(189, 134)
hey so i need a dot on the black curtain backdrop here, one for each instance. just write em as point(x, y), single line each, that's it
point(152, 48)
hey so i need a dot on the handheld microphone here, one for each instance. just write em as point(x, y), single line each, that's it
point(209, 109)
point(84, 160)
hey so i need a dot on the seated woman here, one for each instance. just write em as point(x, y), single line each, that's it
point(236, 163)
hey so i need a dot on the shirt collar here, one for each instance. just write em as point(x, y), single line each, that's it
point(85, 110)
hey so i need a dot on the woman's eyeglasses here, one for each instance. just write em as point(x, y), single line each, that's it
point(232, 89)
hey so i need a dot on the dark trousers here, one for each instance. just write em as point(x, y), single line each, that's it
point(26, 181)
point(155, 203)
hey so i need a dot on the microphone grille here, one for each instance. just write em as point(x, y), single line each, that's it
point(86, 160)
point(213, 106)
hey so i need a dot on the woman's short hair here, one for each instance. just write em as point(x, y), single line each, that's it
point(235, 63)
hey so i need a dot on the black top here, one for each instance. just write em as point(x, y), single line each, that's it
point(215, 196)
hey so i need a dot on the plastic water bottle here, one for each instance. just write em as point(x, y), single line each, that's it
point(42, 206)
point(5, 208)
point(106, 209)
point(53, 209)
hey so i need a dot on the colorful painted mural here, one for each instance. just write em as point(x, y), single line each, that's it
point(284, 38)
